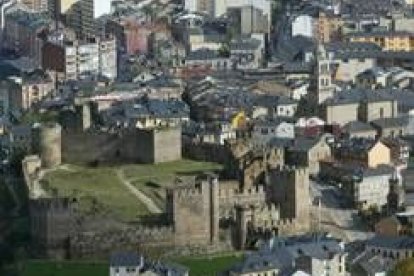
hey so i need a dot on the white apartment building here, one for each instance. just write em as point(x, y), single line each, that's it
point(303, 25)
point(73, 60)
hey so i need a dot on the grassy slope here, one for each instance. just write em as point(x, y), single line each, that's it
point(404, 268)
point(206, 266)
point(199, 266)
point(101, 184)
point(151, 179)
point(46, 268)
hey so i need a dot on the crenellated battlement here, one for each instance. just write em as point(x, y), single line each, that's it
point(228, 193)
point(293, 169)
point(188, 191)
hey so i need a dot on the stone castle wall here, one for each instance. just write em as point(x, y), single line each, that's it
point(142, 146)
point(102, 244)
point(206, 152)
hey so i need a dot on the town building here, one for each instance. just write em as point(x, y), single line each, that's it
point(36, 5)
point(308, 152)
point(329, 27)
point(357, 129)
point(74, 60)
point(303, 25)
point(132, 36)
point(29, 89)
point(22, 30)
point(388, 41)
point(364, 152)
point(400, 224)
point(299, 255)
point(125, 263)
point(77, 14)
point(264, 131)
point(381, 254)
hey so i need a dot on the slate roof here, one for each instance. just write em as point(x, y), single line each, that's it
point(304, 144)
point(281, 252)
point(122, 259)
point(403, 242)
point(380, 33)
point(357, 126)
point(379, 170)
point(352, 47)
point(245, 44)
point(203, 54)
point(356, 95)
point(391, 122)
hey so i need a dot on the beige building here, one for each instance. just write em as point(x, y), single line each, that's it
point(367, 153)
point(391, 127)
point(29, 89)
point(339, 112)
point(308, 152)
point(329, 27)
point(357, 129)
point(375, 107)
point(348, 68)
point(388, 41)
point(394, 226)
point(76, 14)
point(36, 5)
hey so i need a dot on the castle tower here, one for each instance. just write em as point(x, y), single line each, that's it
point(324, 89)
point(50, 226)
point(214, 210)
point(241, 227)
point(47, 143)
point(84, 118)
point(289, 187)
point(194, 211)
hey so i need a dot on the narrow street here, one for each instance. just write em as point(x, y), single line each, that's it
point(334, 218)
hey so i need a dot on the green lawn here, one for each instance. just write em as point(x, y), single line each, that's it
point(404, 268)
point(98, 189)
point(152, 179)
point(206, 266)
point(163, 170)
point(199, 266)
point(48, 268)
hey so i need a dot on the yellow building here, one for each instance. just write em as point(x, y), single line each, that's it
point(329, 27)
point(239, 120)
point(366, 153)
point(388, 41)
point(379, 154)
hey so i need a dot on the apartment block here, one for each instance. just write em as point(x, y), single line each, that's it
point(73, 60)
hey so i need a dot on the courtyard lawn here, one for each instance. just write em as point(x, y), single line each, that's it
point(209, 265)
point(50, 268)
point(165, 170)
point(152, 179)
point(404, 268)
point(98, 190)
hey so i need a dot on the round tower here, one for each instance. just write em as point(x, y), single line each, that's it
point(48, 144)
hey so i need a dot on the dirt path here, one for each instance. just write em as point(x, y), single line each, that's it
point(148, 202)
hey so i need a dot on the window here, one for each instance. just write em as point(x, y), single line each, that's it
point(381, 112)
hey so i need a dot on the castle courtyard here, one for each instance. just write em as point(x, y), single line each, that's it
point(124, 192)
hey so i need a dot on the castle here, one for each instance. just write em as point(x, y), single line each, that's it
point(195, 212)
point(266, 198)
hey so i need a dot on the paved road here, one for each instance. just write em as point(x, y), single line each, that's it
point(148, 202)
point(340, 221)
